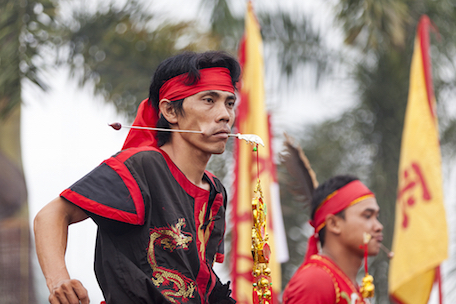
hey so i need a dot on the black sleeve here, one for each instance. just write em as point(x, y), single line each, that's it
point(109, 191)
point(221, 294)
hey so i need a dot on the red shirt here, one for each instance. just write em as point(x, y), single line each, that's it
point(321, 281)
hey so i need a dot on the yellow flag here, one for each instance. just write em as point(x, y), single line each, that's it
point(251, 118)
point(420, 239)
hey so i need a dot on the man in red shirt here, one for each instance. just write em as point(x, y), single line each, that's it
point(344, 211)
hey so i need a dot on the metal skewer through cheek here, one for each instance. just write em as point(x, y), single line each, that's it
point(367, 237)
point(250, 138)
point(388, 252)
point(161, 129)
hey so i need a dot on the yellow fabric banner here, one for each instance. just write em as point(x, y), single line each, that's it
point(420, 241)
point(251, 118)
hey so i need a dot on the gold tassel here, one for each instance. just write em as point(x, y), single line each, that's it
point(260, 250)
point(367, 289)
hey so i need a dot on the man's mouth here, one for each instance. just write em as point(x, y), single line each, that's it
point(223, 133)
point(379, 238)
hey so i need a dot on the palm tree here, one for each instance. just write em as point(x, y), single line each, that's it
point(25, 27)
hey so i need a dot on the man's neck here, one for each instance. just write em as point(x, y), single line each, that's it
point(348, 262)
point(192, 163)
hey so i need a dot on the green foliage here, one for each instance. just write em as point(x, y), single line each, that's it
point(119, 49)
point(374, 23)
point(294, 42)
point(224, 25)
point(25, 28)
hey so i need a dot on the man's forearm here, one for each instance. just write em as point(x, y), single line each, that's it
point(51, 231)
point(51, 234)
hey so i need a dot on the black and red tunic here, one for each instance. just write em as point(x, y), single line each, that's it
point(158, 234)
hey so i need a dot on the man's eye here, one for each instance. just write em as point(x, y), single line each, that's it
point(208, 99)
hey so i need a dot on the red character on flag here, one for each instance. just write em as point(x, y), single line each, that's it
point(413, 180)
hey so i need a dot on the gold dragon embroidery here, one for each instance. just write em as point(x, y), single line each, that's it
point(203, 234)
point(170, 238)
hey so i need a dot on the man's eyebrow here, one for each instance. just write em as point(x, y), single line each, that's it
point(213, 93)
point(372, 210)
point(217, 94)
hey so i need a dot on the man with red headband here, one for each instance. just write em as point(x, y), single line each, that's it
point(160, 214)
point(344, 211)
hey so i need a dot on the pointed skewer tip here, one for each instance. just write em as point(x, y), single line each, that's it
point(389, 253)
point(116, 126)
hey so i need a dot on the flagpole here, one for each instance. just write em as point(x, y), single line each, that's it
point(438, 276)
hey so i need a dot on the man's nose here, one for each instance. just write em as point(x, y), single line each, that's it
point(378, 225)
point(223, 113)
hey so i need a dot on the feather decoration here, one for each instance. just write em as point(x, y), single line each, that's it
point(303, 179)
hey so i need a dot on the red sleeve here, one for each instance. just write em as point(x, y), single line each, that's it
point(310, 285)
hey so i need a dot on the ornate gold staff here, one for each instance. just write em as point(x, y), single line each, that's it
point(262, 285)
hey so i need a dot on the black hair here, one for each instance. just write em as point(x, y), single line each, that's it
point(191, 63)
point(322, 192)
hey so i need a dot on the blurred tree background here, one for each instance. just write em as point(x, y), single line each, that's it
point(25, 27)
point(116, 47)
point(365, 140)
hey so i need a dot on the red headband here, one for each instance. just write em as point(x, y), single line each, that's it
point(350, 194)
point(174, 89)
point(210, 79)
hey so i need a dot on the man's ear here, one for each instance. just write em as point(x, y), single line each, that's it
point(167, 110)
point(333, 223)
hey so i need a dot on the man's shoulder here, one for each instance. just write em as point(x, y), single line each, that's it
point(315, 274)
point(137, 152)
point(310, 284)
point(142, 156)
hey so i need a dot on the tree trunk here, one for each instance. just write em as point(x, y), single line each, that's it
point(16, 279)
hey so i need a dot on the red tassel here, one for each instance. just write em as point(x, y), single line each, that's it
point(312, 247)
point(255, 296)
point(272, 295)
